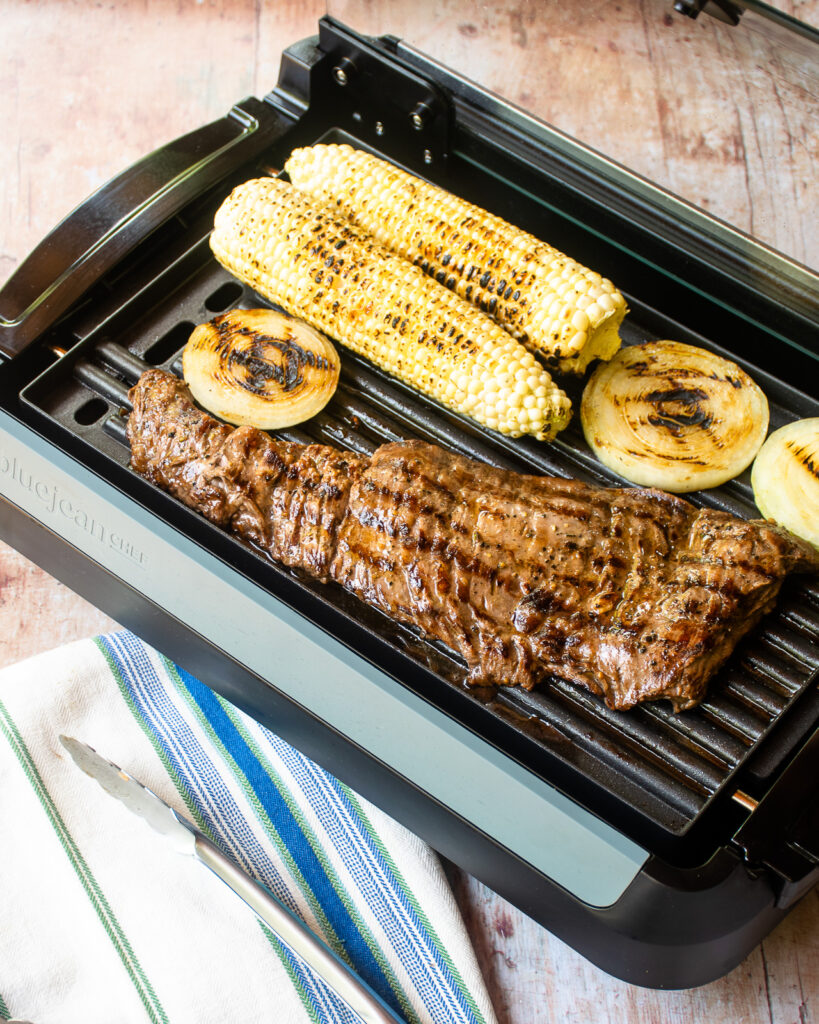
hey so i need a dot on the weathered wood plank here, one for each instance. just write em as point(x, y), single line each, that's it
point(533, 976)
point(87, 89)
point(37, 613)
point(723, 117)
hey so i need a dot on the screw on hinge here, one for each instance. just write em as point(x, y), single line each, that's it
point(343, 71)
point(419, 115)
point(379, 128)
point(427, 156)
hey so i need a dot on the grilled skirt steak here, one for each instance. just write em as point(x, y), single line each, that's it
point(635, 594)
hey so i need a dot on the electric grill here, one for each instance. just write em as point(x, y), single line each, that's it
point(661, 846)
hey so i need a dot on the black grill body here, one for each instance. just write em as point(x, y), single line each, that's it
point(708, 821)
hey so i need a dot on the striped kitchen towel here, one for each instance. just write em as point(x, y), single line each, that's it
point(103, 922)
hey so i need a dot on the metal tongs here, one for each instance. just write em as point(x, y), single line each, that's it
point(187, 839)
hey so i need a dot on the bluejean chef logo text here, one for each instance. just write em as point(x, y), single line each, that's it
point(60, 506)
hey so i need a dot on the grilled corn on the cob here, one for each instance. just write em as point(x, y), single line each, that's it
point(556, 307)
point(327, 271)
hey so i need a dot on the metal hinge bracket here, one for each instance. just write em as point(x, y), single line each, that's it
point(379, 100)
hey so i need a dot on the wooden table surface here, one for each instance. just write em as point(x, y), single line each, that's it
point(85, 89)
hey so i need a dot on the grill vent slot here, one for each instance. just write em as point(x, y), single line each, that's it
point(167, 346)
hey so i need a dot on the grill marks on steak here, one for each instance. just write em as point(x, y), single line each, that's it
point(634, 594)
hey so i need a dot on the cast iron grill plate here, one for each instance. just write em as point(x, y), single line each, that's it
point(667, 768)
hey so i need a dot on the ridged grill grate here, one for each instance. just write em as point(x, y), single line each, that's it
point(666, 766)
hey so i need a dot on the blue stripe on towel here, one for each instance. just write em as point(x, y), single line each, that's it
point(297, 843)
point(176, 709)
point(422, 956)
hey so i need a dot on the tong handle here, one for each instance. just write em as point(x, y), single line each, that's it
point(120, 214)
point(361, 999)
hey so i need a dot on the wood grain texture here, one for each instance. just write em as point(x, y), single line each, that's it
point(86, 89)
point(724, 118)
point(37, 613)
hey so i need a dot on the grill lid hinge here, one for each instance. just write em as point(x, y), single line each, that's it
point(782, 832)
point(380, 100)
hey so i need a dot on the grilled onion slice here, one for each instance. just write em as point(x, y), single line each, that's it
point(260, 367)
point(785, 478)
point(669, 415)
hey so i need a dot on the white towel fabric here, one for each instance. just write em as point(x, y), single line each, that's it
point(103, 922)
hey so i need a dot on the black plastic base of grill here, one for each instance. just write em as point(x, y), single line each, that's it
point(672, 928)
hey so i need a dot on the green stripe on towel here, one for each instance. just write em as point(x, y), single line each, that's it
point(304, 995)
point(106, 915)
point(416, 906)
point(181, 789)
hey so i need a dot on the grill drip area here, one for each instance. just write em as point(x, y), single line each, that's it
point(648, 764)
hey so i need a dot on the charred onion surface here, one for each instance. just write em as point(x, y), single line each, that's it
point(665, 414)
point(260, 367)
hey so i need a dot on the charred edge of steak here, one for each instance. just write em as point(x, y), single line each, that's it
point(634, 594)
